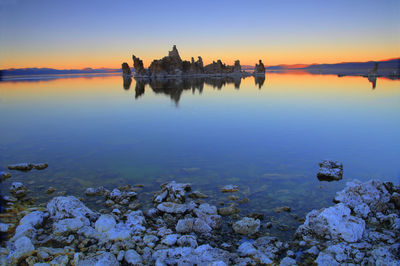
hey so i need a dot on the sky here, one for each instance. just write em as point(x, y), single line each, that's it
point(78, 34)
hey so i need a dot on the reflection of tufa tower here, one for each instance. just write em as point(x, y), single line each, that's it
point(372, 75)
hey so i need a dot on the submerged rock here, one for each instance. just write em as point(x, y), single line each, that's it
point(246, 226)
point(330, 170)
point(28, 166)
point(18, 189)
point(4, 176)
point(229, 188)
point(100, 191)
point(231, 209)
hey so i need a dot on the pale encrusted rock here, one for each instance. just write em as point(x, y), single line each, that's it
point(335, 222)
point(105, 223)
point(28, 224)
point(172, 192)
point(171, 207)
point(18, 189)
point(330, 170)
point(20, 249)
point(247, 226)
point(132, 257)
point(100, 259)
point(69, 207)
point(69, 225)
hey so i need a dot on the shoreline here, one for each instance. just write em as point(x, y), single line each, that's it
point(181, 227)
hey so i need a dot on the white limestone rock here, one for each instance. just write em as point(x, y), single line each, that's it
point(28, 224)
point(171, 207)
point(172, 192)
point(330, 170)
point(69, 225)
point(99, 259)
point(247, 226)
point(334, 222)
point(69, 207)
point(105, 223)
point(132, 257)
point(20, 249)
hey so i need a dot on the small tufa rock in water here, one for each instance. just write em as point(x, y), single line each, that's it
point(282, 209)
point(100, 191)
point(50, 190)
point(28, 166)
point(4, 176)
point(18, 189)
point(247, 226)
point(229, 188)
point(330, 170)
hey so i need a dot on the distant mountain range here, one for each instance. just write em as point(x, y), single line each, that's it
point(350, 68)
point(390, 63)
point(52, 71)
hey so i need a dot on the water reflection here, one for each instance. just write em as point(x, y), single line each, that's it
point(127, 82)
point(259, 80)
point(174, 87)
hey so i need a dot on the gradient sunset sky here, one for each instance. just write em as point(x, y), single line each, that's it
point(78, 34)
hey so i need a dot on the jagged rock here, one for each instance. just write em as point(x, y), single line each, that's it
point(18, 189)
point(334, 223)
point(172, 192)
point(330, 170)
point(4, 176)
point(246, 226)
point(260, 68)
point(132, 257)
point(20, 249)
point(119, 233)
point(126, 70)
point(102, 258)
point(100, 191)
point(105, 223)
point(364, 197)
point(69, 207)
point(237, 67)
point(138, 66)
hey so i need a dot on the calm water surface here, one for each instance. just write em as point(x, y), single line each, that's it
point(92, 131)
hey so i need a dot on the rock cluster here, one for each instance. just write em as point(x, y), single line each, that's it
point(260, 68)
point(28, 166)
point(173, 65)
point(330, 170)
point(362, 228)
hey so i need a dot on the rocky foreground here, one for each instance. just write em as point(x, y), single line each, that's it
point(182, 229)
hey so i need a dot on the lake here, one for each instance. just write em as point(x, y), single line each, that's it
point(267, 137)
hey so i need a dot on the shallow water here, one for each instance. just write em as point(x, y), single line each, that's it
point(94, 131)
